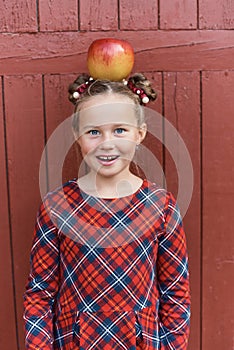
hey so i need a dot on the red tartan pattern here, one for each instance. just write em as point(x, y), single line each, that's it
point(108, 273)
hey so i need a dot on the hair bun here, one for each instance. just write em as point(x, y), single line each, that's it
point(73, 87)
point(141, 82)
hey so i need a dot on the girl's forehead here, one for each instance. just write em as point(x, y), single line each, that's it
point(117, 112)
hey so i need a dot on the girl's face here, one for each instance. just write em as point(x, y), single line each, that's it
point(108, 134)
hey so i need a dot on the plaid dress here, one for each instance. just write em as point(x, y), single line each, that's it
point(108, 273)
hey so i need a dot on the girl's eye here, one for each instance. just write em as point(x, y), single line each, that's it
point(120, 130)
point(93, 132)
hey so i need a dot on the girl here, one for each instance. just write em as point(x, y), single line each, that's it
point(109, 265)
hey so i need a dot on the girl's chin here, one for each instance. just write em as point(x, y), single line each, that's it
point(110, 171)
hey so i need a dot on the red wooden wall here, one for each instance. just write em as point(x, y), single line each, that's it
point(187, 47)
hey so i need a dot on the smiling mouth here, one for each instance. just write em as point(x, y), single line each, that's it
point(107, 158)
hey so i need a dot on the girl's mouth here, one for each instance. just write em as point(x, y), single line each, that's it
point(107, 160)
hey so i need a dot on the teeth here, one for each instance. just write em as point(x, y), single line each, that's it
point(107, 158)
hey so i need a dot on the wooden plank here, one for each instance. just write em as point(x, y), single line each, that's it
point(218, 219)
point(58, 15)
point(25, 135)
point(215, 14)
point(98, 15)
point(177, 14)
point(18, 16)
point(58, 109)
point(150, 155)
point(7, 310)
point(182, 109)
point(66, 52)
point(137, 14)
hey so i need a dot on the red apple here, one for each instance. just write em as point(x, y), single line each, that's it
point(110, 59)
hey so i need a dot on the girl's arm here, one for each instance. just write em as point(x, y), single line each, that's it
point(42, 283)
point(173, 281)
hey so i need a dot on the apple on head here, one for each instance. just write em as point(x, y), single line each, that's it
point(110, 58)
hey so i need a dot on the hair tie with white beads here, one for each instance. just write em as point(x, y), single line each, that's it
point(138, 91)
point(81, 88)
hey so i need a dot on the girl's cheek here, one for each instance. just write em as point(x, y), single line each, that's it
point(89, 146)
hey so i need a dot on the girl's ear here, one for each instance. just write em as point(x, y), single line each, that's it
point(142, 131)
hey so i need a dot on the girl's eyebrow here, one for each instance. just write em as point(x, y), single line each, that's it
point(89, 126)
point(98, 126)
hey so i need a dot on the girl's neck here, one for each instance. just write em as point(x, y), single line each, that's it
point(110, 187)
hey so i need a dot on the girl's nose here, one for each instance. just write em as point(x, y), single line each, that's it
point(106, 145)
point(107, 141)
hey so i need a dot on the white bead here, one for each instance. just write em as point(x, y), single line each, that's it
point(75, 94)
point(125, 82)
point(90, 78)
point(145, 99)
point(138, 92)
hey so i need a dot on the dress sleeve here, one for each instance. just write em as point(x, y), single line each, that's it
point(173, 281)
point(42, 283)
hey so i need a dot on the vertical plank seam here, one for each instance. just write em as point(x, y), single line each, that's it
point(78, 15)
point(201, 212)
point(175, 101)
point(198, 14)
point(9, 216)
point(118, 13)
point(45, 129)
point(38, 15)
point(163, 129)
point(159, 13)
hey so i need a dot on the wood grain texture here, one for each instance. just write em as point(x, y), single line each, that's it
point(58, 15)
point(137, 14)
point(215, 14)
point(177, 14)
point(18, 16)
point(182, 110)
point(98, 15)
point(25, 135)
point(66, 52)
point(7, 310)
point(218, 219)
